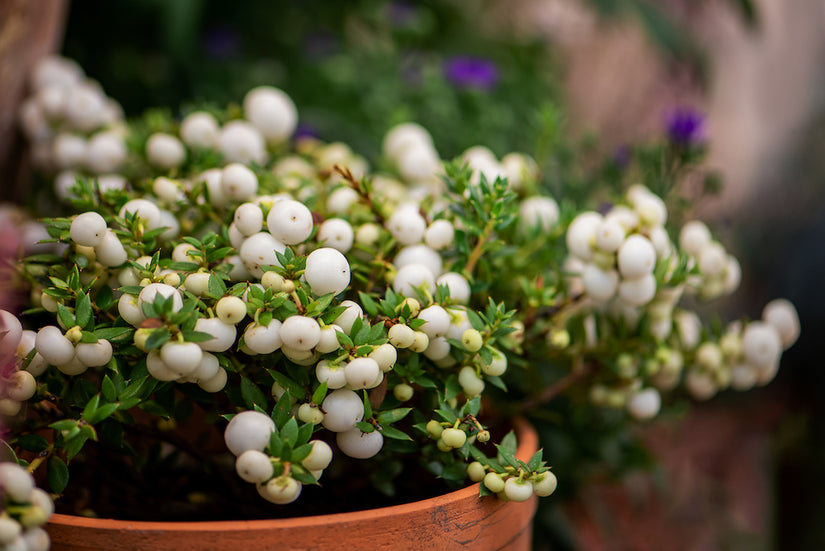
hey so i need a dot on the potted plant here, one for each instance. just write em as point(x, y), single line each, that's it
point(218, 279)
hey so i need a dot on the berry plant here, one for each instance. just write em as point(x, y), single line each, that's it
point(311, 309)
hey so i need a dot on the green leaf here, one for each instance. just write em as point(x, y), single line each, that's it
point(393, 415)
point(497, 382)
point(109, 389)
point(319, 394)
point(65, 424)
point(252, 394)
point(282, 410)
point(303, 477)
point(196, 336)
point(452, 387)
point(301, 452)
point(370, 307)
point(394, 433)
point(113, 333)
point(289, 432)
point(365, 427)
point(58, 474)
point(88, 337)
point(83, 312)
point(102, 413)
point(104, 297)
point(447, 415)
point(90, 408)
point(217, 288)
point(66, 317)
point(158, 338)
point(183, 266)
point(367, 406)
point(536, 461)
point(32, 442)
point(291, 386)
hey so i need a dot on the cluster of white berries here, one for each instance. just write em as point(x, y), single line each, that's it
point(24, 509)
point(248, 435)
point(513, 486)
point(270, 118)
point(73, 127)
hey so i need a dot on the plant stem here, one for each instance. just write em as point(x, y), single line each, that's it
point(474, 257)
point(42, 456)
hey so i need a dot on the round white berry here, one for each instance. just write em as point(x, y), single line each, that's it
point(223, 335)
point(319, 457)
point(334, 376)
point(165, 151)
point(11, 333)
point(761, 344)
point(329, 339)
point(159, 369)
point(230, 310)
point(241, 142)
point(249, 219)
point(693, 237)
point(361, 372)
point(518, 490)
point(216, 383)
point(700, 385)
point(342, 410)
point(106, 153)
point(347, 318)
point(545, 484)
point(458, 286)
point(271, 111)
point(149, 293)
point(636, 257)
point(20, 386)
point(327, 271)
point(402, 136)
point(411, 276)
point(470, 382)
point(94, 354)
point(644, 404)
point(238, 182)
point(336, 233)
point(281, 490)
point(401, 336)
point(419, 254)
point(15, 481)
point(712, 259)
point(263, 339)
point(360, 445)
point(110, 252)
point(54, 346)
point(147, 211)
point(538, 212)
point(609, 235)
point(181, 357)
point(289, 221)
point(385, 355)
point(743, 377)
point(781, 315)
point(300, 332)
point(436, 319)
point(601, 285)
point(259, 250)
point(407, 225)
point(254, 466)
point(248, 430)
point(439, 234)
point(638, 291)
point(199, 129)
point(207, 369)
point(581, 234)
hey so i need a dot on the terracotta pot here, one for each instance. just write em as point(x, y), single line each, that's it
point(459, 520)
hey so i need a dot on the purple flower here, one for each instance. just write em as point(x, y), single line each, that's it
point(305, 130)
point(222, 42)
point(685, 126)
point(471, 72)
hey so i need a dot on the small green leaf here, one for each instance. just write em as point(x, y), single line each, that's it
point(393, 415)
point(289, 432)
point(394, 433)
point(319, 394)
point(32, 442)
point(58, 474)
point(370, 307)
point(452, 387)
point(365, 427)
point(102, 413)
point(196, 336)
point(90, 408)
point(113, 333)
point(109, 389)
point(217, 288)
point(252, 394)
point(158, 338)
point(83, 312)
point(65, 316)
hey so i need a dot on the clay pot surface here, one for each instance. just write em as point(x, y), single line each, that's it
point(458, 520)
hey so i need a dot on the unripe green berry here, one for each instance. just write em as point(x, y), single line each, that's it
point(455, 438)
point(476, 471)
point(483, 436)
point(545, 484)
point(472, 340)
point(403, 392)
point(434, 428)
point(494, 482)
point(421, 342)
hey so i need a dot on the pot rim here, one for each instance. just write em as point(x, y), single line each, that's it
point(528, 444)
